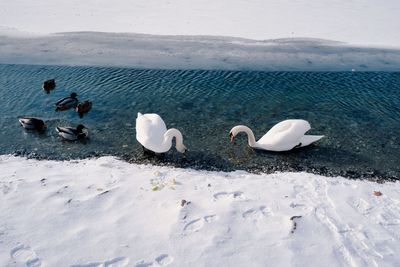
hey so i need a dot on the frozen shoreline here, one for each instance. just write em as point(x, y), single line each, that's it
point(131, 215)
point(356, 22)
point(270, 35)
point(193, 52)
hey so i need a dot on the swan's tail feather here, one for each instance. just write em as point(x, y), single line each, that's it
point(308, 139)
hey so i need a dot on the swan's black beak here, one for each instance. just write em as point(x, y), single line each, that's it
point(232, 137)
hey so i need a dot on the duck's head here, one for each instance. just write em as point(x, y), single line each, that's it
point(74, 95)
point(80, 127)
point(41, 126)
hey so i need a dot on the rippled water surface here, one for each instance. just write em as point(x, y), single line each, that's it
point(358, 112)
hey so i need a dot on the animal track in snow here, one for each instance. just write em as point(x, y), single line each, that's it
point(24, 254)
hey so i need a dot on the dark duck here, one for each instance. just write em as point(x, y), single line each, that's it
point(67, 102)
point(83, 108)
point(49, 85)
point(72, 134)
point(32, 123)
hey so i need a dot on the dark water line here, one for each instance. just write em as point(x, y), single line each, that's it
point(359, 112)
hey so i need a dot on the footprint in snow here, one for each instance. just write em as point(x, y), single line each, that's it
point(361, 206)
point(8, 187)
point(194, 226)
point(116, 262)
point(162, 260)
point(197, 224)
point(142, 263)
point(296, 205)
point(24, 254)
point(257, 213)
point(228, 195)
point(210, 218)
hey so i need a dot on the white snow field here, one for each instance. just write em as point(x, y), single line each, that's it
point(106, 212)
point(363, 22)
point(300, 35)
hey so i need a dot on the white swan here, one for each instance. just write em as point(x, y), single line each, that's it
point(152, 133)
point(284, 136)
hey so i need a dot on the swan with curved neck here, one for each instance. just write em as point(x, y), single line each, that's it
point(152, 134)
point(284, 136)
point(171, 134)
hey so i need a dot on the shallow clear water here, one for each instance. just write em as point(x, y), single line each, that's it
point(359, 113)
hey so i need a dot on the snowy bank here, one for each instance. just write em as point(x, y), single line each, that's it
point(361, 22)
point(263, 35)
point(106, 212)
point(194, 52)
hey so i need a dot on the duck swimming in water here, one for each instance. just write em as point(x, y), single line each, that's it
point(49, 85)
point(83, 108)
point(32, 123)
point(67, 102)
point(72, 134)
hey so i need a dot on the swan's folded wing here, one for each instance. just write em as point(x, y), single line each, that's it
point(286, 133)
point(309, 139)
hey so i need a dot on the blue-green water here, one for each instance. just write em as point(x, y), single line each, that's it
point(359, 112)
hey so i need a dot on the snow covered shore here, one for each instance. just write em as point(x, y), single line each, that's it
point(194, 52)
point(106, 212)
point(357, 22)
point(267, 35)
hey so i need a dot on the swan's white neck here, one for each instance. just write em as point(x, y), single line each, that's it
point(250, 136)
point(170, 134)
